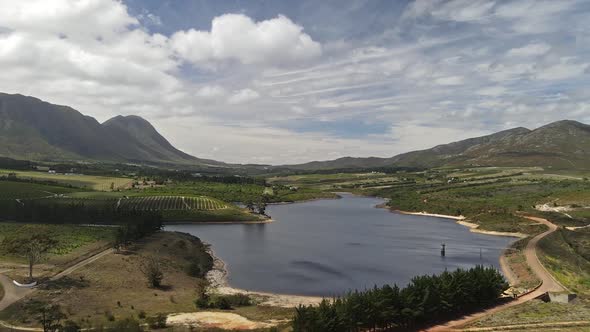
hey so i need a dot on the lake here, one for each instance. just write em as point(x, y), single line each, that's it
point(327, 247)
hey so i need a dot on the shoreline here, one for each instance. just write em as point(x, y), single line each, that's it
point(218, 276)
point(461, 220)
point(244, 222)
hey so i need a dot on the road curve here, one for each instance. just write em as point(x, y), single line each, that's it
point(549, 284)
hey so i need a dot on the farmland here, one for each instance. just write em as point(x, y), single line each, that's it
point(24, 190)
point(165, 203)
point(70, 240)
point(236, 192)
point(75, 180)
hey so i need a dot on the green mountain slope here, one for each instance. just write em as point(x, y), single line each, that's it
point(562, 144)
point(32, 129)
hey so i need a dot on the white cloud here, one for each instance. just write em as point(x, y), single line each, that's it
point(211, 91)
point(493, 91)
point(565, 69)
point(418, 137)
point(449, 80)
point(533, 49)
point(238, 37)
point(243, 96)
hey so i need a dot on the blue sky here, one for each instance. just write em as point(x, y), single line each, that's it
point(294, 81)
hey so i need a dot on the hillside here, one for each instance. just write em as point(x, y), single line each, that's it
point(32, 129)
point(562, 144)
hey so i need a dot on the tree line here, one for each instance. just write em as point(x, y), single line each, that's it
point(48, 211)
point(426, 300)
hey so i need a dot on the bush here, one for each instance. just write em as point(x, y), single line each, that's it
point(141, 314)
point(223, 302)
point(127, 325)
point(156, 322)
point(71, 326)
point(202, 302)
point(151, 269)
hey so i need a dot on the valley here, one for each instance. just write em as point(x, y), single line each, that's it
point(259, 247)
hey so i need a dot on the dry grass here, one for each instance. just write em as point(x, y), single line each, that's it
point(115, 286)
point(536, 311)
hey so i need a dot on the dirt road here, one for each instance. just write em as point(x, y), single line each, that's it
point(549, 284)
point(14, 293)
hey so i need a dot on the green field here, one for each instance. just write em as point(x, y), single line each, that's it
point(68, 238)
point(24, 190)
point(76, 180)
point(567, 255)
point(165, 203)
point(234, 192)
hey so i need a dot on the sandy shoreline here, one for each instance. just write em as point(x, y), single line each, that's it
point(461, 220)
point(217, 278)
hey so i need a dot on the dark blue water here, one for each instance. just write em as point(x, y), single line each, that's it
point(328, 247)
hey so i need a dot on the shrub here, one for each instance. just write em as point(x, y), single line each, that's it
point(127, 325)
point(141, 314)
point(70, 326)
point(151, 269)
point(156, 322)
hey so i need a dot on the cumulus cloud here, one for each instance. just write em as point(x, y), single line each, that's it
point(256, 90)
point(238, 37)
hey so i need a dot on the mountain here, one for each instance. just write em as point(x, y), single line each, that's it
point(562, 144)
point(32, 129)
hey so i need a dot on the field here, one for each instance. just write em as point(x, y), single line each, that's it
point(75, 180)
point(165, 203)
point(536, 311)
point(71, 242)
point(24, 190)
point(235, 192)
point(567, 255)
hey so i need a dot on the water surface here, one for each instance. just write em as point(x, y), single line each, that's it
point(328, 247)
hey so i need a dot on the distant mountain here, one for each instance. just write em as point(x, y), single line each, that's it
point(562, 144)
point(32, 129)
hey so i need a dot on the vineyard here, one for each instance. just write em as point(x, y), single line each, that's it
point(167, 203)
point(143, 203)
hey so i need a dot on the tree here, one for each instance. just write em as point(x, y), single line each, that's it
point(152, 270)
point(250, 206)
point(32, 247)
point(48, 315)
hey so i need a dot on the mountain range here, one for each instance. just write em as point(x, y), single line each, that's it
point(31, 129)
point(561, 144)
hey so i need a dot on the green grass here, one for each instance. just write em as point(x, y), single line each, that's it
point(535, 311)
point(68, 237)
point(25, 190)
point(232, 192)
point(81, 181)
point(224, 215)
point(565, 253)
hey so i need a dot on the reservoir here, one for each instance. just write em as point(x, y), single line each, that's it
point(328, 247)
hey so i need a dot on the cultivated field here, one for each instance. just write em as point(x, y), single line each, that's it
point(104, 183)
point(10, 190)
point(165, 203)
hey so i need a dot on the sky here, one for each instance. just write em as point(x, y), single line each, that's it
point(282, 82)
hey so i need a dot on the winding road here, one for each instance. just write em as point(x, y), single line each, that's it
point(548, 282)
